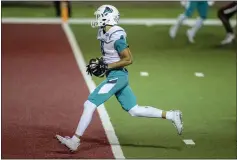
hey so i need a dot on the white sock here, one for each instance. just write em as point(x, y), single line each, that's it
point(180, 20)
point(197, 26)
point(86, 117)
point(145, 111)
point(169, 115)
point(75, 139)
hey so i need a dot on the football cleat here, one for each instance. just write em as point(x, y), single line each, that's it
point(228, 39)
point(68, 142)
point(190, 36)
point(173, 32)
point(177, 121)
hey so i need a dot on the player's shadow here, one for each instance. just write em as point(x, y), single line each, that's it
point(230, 47)
point(103, 143)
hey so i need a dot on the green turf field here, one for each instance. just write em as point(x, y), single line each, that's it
point(208, 104)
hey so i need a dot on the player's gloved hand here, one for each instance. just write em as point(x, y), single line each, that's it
point(97, 67)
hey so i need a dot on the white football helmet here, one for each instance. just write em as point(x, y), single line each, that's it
point(106, 15)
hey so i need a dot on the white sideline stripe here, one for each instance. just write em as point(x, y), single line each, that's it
point(128, 21)
point(105, 119)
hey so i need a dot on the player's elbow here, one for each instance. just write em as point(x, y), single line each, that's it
point(130, 60)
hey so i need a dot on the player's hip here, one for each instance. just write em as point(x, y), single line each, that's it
point(115, 82)
point(117, 73)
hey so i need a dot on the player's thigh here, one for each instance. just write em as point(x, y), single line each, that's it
point(126, 98)
point(190, 8)
point(203, 9)
point(107, 89)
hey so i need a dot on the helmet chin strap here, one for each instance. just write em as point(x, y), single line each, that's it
point(103, 28)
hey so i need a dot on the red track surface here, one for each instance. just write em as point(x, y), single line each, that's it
point(42, 95)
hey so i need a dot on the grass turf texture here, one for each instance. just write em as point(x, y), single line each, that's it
point(208, 104)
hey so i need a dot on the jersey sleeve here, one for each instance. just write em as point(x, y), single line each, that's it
point(120, 44)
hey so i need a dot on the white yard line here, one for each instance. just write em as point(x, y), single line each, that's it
point(144, 74)
point(199, 74)
point(124, 21)
point(189, 142)
point(105, 119)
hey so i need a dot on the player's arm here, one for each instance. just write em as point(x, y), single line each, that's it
point(98, 68)
point(124, 52)
point(126, 59)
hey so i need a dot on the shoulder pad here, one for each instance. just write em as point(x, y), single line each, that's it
point(117, 33)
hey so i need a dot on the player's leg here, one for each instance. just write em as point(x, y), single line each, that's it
point(224, 14)
point(88, 111)
point(202, 7)
point(101, 94)
point(190, 7)
point(74, 142)
point(127, 100)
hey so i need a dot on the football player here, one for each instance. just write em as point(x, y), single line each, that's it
point(116, 55)
point(224, 14)
point(191, 6)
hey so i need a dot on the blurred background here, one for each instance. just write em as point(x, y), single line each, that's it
point(86, 9)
